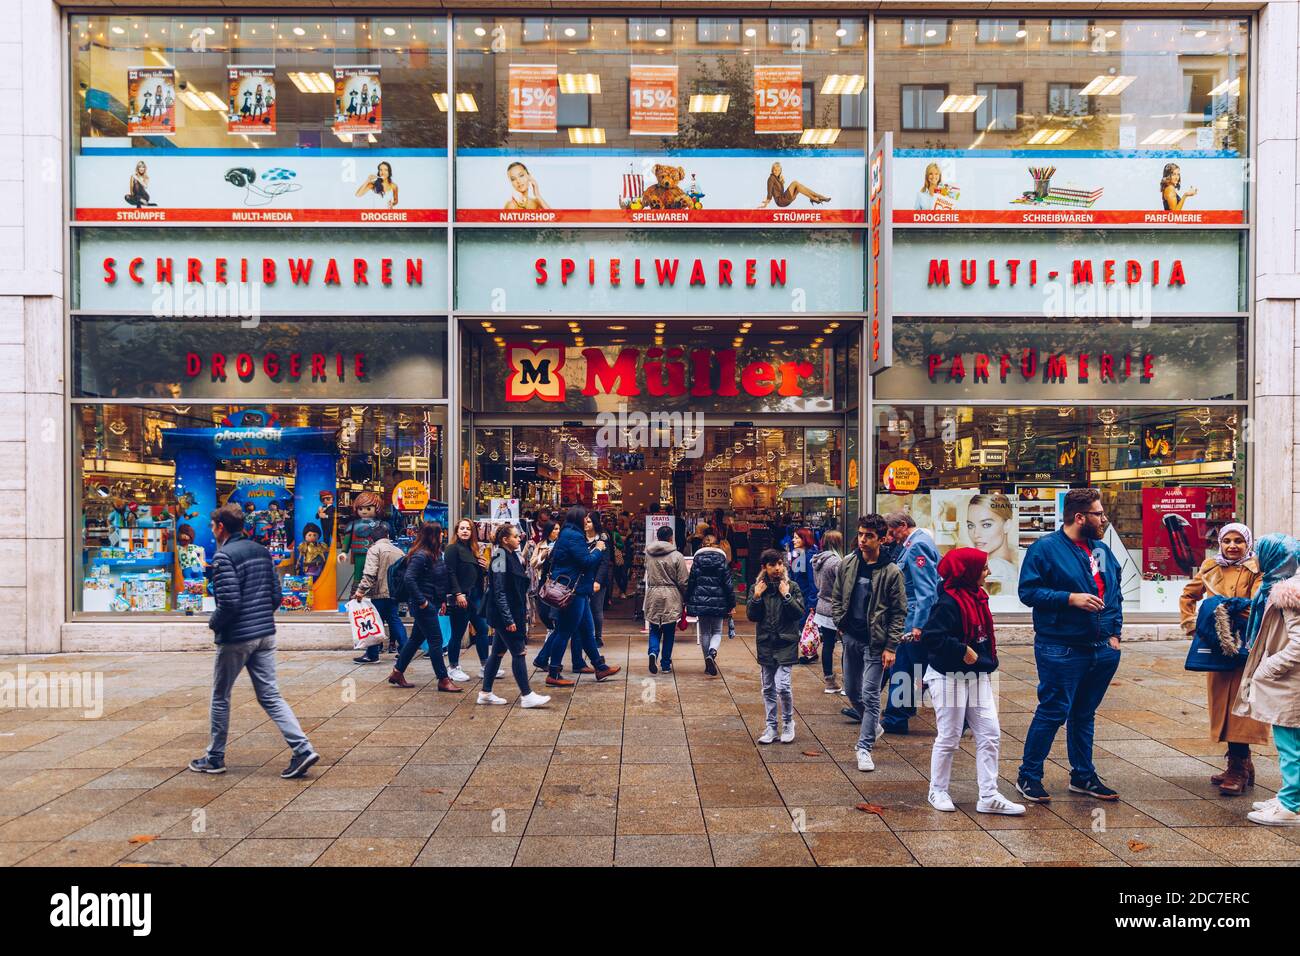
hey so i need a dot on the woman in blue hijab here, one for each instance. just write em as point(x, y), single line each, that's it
point(1278, 556)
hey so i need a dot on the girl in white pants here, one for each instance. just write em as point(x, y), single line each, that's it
point(961, 648)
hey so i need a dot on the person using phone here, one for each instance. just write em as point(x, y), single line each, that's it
point(777, 609)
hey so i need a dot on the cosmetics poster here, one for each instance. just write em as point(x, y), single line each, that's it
point(151, 102)
point(358, 100)
point(251, 98)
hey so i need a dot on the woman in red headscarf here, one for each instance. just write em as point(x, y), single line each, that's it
point(962, 653)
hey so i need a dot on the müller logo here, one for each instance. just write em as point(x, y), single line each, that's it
point(164, 270)
point(535, 373)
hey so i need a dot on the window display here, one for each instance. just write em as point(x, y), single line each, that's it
point(994, 478)
point(151, 475)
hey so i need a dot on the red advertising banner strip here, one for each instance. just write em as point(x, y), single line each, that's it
point(1073, 217)
point(386, 216)
point(762, 216)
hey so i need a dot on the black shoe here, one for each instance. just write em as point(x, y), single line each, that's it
point(897, 730)
point(654, 664)
point(538, 665)
point(206, 764)
point(851, 714)
point(711, 666)
point(300, 764)
point(1093, 787)
point(1032, 790)
point(365, 660)
point(667, 667)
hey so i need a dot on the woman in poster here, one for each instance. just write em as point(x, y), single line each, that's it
point(930, 186)
point(525, 193)
point(1233, 573)
point(784, 195)
point(379, 188)
point(991, 527)
point(138, 187)
point(1170, 180)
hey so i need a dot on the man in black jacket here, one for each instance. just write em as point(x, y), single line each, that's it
point(247, 593)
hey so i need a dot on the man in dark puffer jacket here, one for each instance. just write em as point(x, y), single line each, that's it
point(247, 593)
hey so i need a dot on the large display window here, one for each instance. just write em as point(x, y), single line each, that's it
point(313, 481)
point(994, 477)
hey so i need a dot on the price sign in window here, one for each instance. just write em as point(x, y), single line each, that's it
point(778, 99)
point(534, 97)
point(652, 100)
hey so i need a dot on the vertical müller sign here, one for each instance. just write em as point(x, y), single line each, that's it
point(880, 215)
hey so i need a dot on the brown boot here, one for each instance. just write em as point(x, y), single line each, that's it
point(448, 686)
point(398, 679)
point(1237, 777)
point(608, 671)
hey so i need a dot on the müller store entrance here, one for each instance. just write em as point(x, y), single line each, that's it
point(739, 424)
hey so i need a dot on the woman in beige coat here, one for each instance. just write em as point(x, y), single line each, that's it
point(1270, 693)
point(666, 575)
point(1233, 573)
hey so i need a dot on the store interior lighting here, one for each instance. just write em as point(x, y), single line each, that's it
point(312, 82)
point(843, 84)
point(583, 83)
point(961, 103)
point(1105, 85)
point(709, 102)
point(465, 102)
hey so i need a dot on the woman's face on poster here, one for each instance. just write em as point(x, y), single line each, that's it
point(986, 530)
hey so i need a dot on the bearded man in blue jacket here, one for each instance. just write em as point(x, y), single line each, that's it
point(1072, 582)
point(918, 559)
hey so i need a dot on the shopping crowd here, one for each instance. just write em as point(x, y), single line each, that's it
point(896, 608)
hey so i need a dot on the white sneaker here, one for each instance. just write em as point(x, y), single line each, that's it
point(787, 733)
point(999, 804)
point(487, 697)
point(1275, 816)
point(940, 800)
point(1264, 804)
point(458, 675)
point(769, 736)
point(534, 699)
point(880, 730)
point(865, 763)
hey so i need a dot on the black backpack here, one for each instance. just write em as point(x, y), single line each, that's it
point(397, 580)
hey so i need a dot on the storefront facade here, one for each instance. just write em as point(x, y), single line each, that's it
point(416, 266)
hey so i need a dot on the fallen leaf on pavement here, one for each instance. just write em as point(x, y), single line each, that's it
point(871, 808)
point(1137, 846)
point(812, 753)
point(143, 838)
point(431, 790)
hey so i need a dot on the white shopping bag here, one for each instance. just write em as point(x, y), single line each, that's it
point(367, 628)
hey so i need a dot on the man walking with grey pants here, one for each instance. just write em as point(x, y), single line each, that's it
point(247, 593)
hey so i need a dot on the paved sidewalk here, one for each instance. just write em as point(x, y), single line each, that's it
point(636, 770)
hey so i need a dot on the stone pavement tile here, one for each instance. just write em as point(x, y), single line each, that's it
point(566, 851)
point(357, 775)
point(578, 753)
point(655, 773)
point(482, 823)
point(730, 820)
point(100, 802)
point(1247, 842)
point(43, 826)
point(1175, 767)
point(1139, 751)
point(1212, 751)
point(573, 820)
point(1098, 814)
point(494, 798)
point(132, 778)
point(557, 796)
point(414, 798)
point(51, 783)
point(730, 753)
point(760, 849)
point(165, 852)
point(500, 755)
point(80, 853)
point(11, 853)
point(858, 849)
point(1221, 812)
point(468, 851)
point(279, 852)
point(660, 820)
point(305, 823)
point(662, 850)
point(658, 795)
point(235, 824)
point(334, 798)
point(394, 824)
point(371, 851)
point(805, 785)
point(956, 848)
point(449, 753)
point(15, 804)
point(447, 776)
point(376, 755)
point(251, 798)
point(596, 778)
point(1052, 846)
point(508, 775)
point(1133, 844)
point(841, 819)
point(634, 753)
point(741, 793)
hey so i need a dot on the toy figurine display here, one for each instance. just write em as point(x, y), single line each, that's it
point(361, 533)
point(312, 552)
point(325, 515)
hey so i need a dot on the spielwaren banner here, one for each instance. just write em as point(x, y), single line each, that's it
point(1062, 188)
point(246, 186)
point(799, 187)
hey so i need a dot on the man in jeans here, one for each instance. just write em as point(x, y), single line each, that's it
point(1072, 582)
point(868, 605)
point(247, 593)
point(918, 559)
